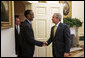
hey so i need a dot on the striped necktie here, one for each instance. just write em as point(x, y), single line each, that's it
point(55, 27)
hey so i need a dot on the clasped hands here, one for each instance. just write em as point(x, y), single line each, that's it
point(44, 43)
point(65, 54)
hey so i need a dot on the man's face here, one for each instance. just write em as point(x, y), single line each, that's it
point(30, 16)
point(17, 21)
point(54, 19)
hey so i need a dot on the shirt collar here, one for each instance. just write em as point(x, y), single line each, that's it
point(17, 26)
point(28, 21)
point(58, 24)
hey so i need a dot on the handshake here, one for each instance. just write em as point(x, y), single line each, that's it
point(44, 43)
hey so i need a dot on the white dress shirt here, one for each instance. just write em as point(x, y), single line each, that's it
point(58, 24)
point(18, 28)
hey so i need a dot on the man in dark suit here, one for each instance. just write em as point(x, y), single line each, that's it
point(17, 36)
point(60, 37)
point(29, 42)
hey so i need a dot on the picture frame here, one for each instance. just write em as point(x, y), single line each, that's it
point(67, 9)
point(6, 14)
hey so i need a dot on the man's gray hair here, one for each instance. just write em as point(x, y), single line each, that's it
point(58, 15)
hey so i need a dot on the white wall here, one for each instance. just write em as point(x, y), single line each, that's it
point(78, 12)
point(8, 41)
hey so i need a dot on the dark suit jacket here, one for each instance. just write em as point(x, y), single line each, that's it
point(18, 42)
point(61, 42)
point(28, 40)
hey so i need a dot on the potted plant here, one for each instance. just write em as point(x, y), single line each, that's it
point(73, 22)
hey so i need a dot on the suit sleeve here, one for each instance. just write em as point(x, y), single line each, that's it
point(67, 39)
point(50, 39)
point(30, 37)
point(17, 46)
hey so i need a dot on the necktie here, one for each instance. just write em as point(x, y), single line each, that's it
point(55, 27)
point(18, 29)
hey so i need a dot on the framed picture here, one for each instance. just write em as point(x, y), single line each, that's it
point(6, 14)
point(67, 9)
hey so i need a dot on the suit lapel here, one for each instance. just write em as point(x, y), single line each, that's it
point(29, 24)
point(58, 28)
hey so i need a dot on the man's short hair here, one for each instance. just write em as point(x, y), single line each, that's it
point(59, 16)
point(16, 16)
point(27, 12)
